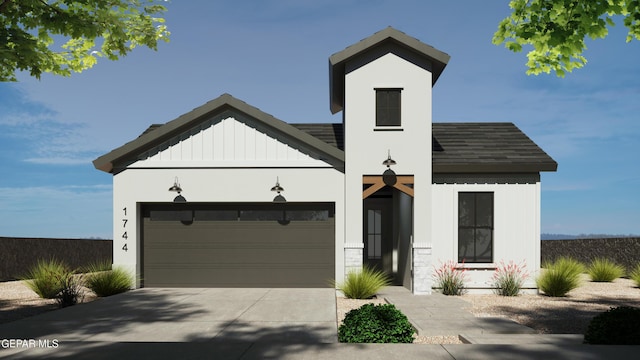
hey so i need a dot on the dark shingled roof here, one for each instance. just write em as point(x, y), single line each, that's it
point(332, 134)
point(462, 147)
point(466, 147)
point(486, 147)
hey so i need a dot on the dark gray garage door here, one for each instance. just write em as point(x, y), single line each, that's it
point(238, 245)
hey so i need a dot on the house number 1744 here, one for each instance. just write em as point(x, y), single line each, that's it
point(124, 226)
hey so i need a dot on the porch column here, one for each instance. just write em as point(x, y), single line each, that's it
point(422, 270)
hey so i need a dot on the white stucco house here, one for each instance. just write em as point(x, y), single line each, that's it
point(227, 195)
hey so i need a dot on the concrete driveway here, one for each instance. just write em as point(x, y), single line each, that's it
point(217, 316)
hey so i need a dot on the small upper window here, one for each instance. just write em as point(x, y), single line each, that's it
point(388, 107)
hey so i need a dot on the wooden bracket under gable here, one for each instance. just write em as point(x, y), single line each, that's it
point(377, 183)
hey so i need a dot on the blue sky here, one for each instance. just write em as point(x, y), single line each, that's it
point(273, 54)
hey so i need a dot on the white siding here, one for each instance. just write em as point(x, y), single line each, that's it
point(516, 227)
point(365, 148)
point(229, 141)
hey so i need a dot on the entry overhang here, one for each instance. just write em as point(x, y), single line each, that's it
point(376, 183)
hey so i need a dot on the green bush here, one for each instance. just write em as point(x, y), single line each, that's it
point(363, 284)
point(560, 277)
point(376, 324)
point(617, 326)
point(109, 282)
point(635, 275)
point(604, 270)
point(46, 277)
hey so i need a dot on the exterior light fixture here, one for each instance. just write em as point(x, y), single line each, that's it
point(278, 189)
point(388, 161)
point(389, 176)
point(176, 188)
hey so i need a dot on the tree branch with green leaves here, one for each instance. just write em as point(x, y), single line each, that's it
point(557, 29)
point(65, 36)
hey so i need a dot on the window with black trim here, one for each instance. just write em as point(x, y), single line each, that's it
point(388, 107)
point(475, 227)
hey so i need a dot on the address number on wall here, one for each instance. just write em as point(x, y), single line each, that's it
point(124, 226)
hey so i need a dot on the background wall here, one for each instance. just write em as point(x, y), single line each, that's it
point(17, 255)
point(624, 251)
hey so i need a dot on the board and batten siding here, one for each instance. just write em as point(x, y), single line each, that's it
point(229, 139)
point(226, 177)
point(516, 228)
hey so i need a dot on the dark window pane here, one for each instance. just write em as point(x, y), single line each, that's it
point(307, 215)
point(216, 215)
point(475, 227)
point(466, 206)
point(388, 107)
point(484, 245)
point(484, 210)
point(171, 215)
point(261, 215)
point(465, 245)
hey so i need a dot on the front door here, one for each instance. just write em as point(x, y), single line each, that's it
point(378, 234)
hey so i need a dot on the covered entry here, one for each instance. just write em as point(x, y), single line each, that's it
point(238, 245)
point(388, 227)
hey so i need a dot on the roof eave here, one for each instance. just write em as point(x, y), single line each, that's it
point(337, 61)
point(107, 162)
point(533, 167)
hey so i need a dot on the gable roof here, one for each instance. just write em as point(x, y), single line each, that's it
point(467, 147)
point(486, 147)
point(337, 61)
point(156, 134)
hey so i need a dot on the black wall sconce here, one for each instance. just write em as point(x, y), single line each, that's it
point(176, 188)
point(277, 188)
point(389, 176)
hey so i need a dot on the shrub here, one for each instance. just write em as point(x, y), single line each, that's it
point(363, 284)
point(560, 277)
point(376, 324)
point(108, 282)
point(635, 275)
point(604, 270)
point(71, 292)
point(509, 278)
point(616, 326)
point(45, 278)
point(450, 278)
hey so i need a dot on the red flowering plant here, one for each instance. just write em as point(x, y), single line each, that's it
point(450, 277)
point(509, 278)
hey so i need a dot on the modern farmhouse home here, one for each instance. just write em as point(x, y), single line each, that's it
point(227, 195)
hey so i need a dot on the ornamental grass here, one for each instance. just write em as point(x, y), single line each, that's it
point(509, 278)
point(363, 284)
point(604, 270)
point(560, 277)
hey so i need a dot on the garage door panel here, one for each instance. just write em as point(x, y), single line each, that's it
point(239, 253)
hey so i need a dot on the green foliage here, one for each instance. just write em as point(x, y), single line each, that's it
point(604, 270)
point(556, 29)
point(108, 282)
point(363, 284)
point(635, 275)
point(45, 278)
point(52, 279)
point(450, 278)
point(560, 277)
point(616, 326)
point(88, 28)
point(376, 324)
point(509, 278)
